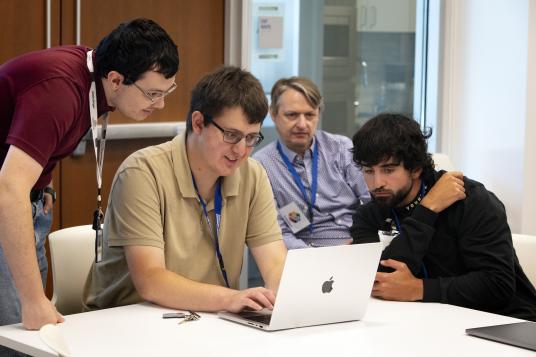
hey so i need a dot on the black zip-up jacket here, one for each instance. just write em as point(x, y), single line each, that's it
point(466, 249)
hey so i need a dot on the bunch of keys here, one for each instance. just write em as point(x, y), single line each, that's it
point(192, 316)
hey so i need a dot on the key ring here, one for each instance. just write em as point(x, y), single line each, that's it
point(193, 316)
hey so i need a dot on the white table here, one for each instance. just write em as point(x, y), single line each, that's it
point(388, 329)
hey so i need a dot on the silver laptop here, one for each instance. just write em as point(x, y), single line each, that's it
point(319, 286)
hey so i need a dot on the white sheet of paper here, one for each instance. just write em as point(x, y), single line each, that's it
point(52, 336)
point(270, 32)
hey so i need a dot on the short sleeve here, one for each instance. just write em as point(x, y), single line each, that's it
point(134, 216)
point(262, 226)
point(43, 116)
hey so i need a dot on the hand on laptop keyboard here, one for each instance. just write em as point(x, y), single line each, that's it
point(254, 299)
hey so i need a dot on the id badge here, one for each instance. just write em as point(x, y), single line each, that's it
point(97, 226)
point(294, 217)
point(98, 245)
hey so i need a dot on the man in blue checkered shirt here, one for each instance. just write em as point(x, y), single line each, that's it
point(315, 182)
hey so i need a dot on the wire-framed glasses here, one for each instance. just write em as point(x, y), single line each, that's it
point(234, 136)
point(156, 95)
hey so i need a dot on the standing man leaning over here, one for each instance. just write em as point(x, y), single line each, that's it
point(180, 213)
point(315, 182)
point(44, 112)
point(452, 242)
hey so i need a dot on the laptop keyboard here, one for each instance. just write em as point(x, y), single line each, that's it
point(262, 318)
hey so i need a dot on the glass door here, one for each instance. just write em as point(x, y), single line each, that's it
point(368, 61)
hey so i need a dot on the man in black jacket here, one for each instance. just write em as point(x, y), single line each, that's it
point(452, 240)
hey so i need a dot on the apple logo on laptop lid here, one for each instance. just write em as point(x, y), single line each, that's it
point(327, 286)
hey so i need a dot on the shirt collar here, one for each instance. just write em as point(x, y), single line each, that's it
point(292, 155)
point(407, 209)
point(183, 174)
point(102, 103)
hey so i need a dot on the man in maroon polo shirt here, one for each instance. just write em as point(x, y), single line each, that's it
point(44, 112)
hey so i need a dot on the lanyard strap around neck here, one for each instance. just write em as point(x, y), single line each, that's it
point(98, 216)
point(298, 180)
point(422, 192)
point(93, 113)
point(218, 203)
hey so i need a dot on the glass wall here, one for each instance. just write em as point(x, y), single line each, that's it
point(362, 54)
point(366, 56)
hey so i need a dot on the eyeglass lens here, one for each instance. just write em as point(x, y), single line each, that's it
point(231, 137)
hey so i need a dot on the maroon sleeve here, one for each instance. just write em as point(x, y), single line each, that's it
point(43, 115)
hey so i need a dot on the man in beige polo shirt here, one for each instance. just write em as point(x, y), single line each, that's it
point(180, 213)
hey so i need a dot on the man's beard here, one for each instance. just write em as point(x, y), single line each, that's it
point(394, 200)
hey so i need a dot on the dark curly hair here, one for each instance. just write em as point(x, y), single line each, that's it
point(396, 136)
point(134, 48)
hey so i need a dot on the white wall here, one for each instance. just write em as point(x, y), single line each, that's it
point(485, 99)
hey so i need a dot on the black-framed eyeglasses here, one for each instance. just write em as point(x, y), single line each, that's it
point(234, 136)
point(156, 95)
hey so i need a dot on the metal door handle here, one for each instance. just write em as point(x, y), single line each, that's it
point(78, 21)
point(49, 24)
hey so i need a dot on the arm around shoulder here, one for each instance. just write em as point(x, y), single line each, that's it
point(488, 281)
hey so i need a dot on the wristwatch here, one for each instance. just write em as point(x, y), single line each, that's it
point(51, 192)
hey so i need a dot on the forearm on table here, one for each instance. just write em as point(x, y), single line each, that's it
point(169, 289)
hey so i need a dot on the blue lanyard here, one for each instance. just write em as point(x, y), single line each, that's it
point(397, 222)
point(298, 180)
point(217, 211)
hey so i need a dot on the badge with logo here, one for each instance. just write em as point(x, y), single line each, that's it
point(294, 217)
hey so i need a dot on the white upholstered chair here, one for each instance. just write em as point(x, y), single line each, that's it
point(525, 246)
point(442, 162)
point(72, 250)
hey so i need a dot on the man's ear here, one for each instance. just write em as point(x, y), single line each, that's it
point(115, 79)
point(416, 173)
point(198, 122)
point(273, 115)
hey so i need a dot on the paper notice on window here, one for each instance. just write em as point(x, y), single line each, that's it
point(271, 32)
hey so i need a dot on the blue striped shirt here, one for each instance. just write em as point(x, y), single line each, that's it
point(341, 187)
